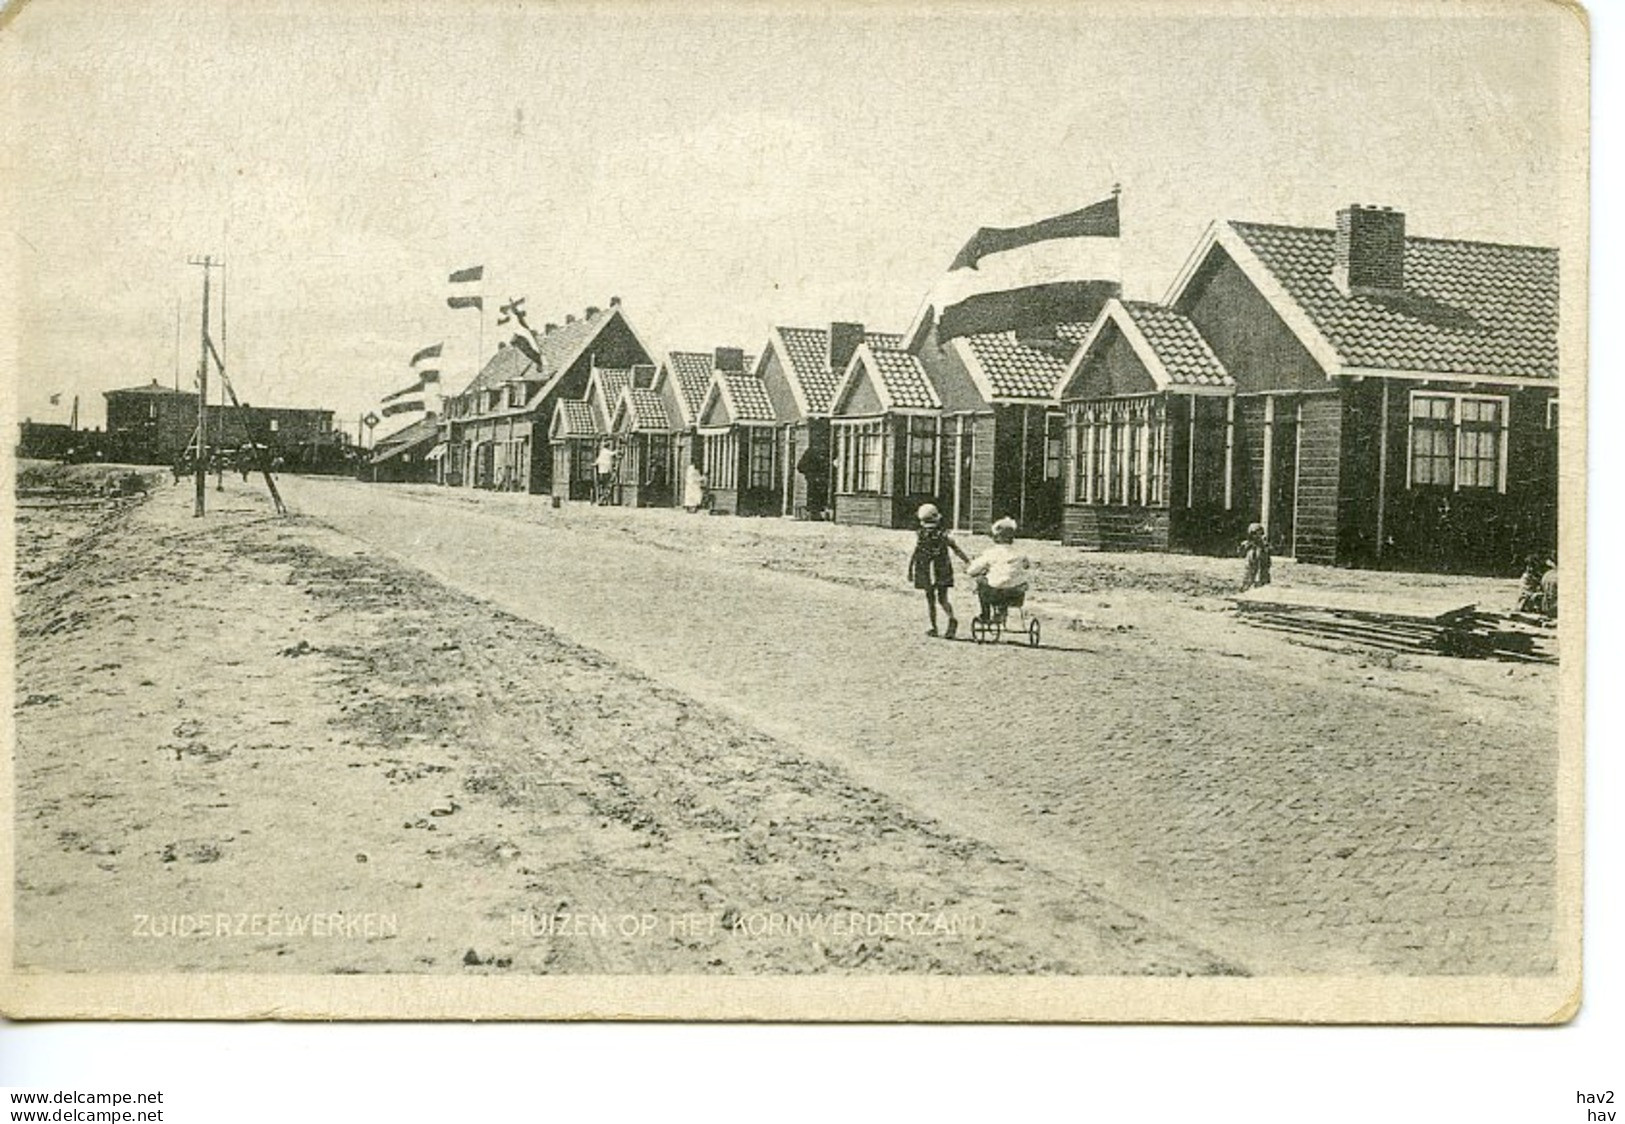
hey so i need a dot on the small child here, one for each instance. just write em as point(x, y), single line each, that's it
point(1255, 548)
point(1001, 572)
point(930, 568)
point(1529, 588)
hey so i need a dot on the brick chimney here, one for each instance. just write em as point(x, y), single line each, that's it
point(844, 339)
point(551, 327)
point(593, 310)
point(1370, 249)
point(730, 359)
point(615, 302)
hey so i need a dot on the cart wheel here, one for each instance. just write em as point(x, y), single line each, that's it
point(978, 630)
point(1032, 634)
point(995, 630)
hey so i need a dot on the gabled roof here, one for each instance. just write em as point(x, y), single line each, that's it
point(804, 353)
point(1469, 310)
point(743, 395)
point(899, 379)
point(691, 372)
point(1005, 367)
point(428, 425)
point(420, 434)
point(557, 349)
point(611, 382)
point(640, 410)
point(572, 418)
point(507, 365)
point(1166, 342)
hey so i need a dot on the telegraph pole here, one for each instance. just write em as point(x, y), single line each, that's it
point(202, 468)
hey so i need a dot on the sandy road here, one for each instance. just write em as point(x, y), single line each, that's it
point(1285, 818)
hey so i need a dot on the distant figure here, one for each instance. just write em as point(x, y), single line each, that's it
point(814, 467)
point(931, 569)
point(1002, 573)
point(1255, 548)
point(1548, 591)
point(178, 469)
point(693, 489)
point(605, 467)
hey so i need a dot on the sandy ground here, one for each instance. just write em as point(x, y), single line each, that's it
point(473, 733)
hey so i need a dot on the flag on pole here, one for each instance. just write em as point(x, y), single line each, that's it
point(56, 399)
point(469, 276)
point(424, 380)
point(1048, 272)
point(430, 352)
point(513, 310)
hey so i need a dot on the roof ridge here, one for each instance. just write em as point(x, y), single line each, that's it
point(1409, 237)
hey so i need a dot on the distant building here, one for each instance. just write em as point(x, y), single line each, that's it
point(155, 424)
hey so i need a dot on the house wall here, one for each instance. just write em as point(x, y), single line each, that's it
point(777, 381)
point(1245, 332)
point(864, 511)
point(1436, 529)
point(1112, 369)
point(1320, 480)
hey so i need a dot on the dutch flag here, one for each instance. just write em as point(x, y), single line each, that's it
point(1057, 270)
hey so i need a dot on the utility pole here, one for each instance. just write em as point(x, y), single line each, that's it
point(202, 468)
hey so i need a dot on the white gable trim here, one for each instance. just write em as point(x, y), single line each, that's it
point(861, 357)
point(1290, 312)
point(716, 392)
point(776, 345)
point(978, 374)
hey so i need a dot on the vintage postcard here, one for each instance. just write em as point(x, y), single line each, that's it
point(1009, 511)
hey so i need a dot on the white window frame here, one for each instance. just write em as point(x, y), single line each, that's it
point(1503, 402)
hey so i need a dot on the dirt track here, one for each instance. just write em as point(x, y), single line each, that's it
point(1159, 789)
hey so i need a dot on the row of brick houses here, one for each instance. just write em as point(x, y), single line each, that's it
point(1371, 397)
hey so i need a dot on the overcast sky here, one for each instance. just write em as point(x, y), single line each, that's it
point(718, 170)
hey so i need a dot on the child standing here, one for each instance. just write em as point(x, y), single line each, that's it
point(930, 568)
point(1255, 548)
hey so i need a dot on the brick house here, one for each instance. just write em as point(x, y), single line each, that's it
point(643, 430)
point(737, 431)
point(888, 426)
point(800, 367)
point(681, 383)
point(495, 430)
point(1371, 397)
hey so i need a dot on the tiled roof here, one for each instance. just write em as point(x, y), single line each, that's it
point(424, 431)
point(573, 418)
point(1471, 308)
point(1018, 369)
point(691, 371)
point(508, 364)
point(647, 410)
point(747, 397)
point(808, 350)
point(426, 426)
point(1183, 352)
point(903, 379)
point(613, 380)
point(557, 349)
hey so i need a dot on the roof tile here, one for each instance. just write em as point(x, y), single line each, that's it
point(1469, 308)
point(1184, 354)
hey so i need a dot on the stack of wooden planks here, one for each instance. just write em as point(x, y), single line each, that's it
point(1416, 624)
